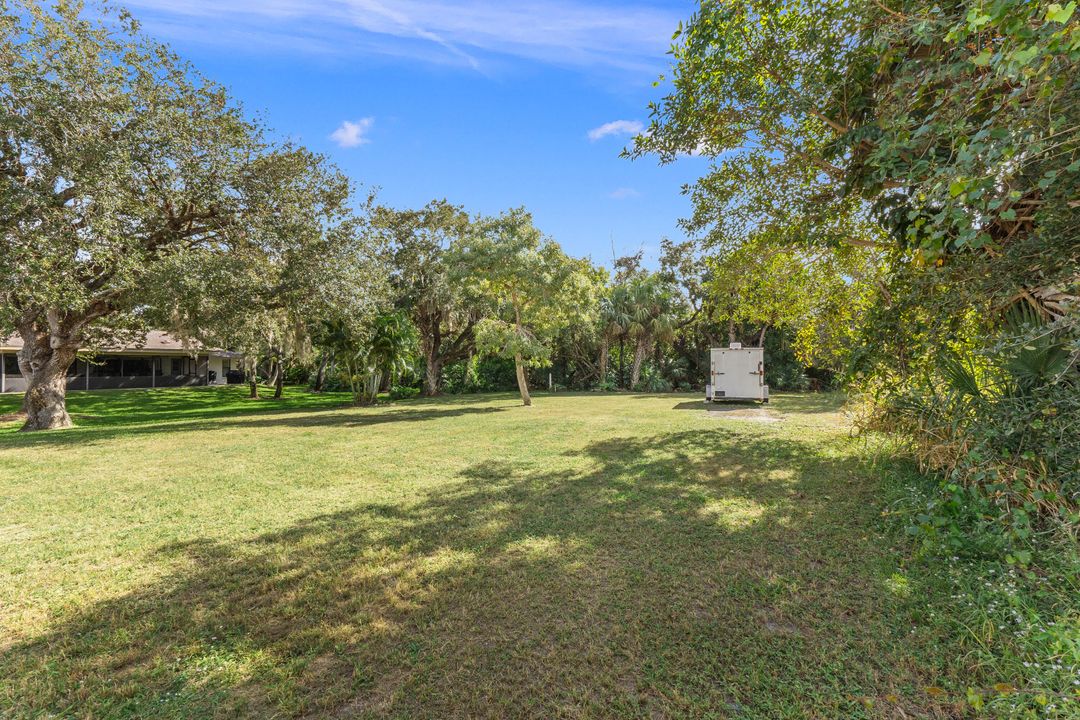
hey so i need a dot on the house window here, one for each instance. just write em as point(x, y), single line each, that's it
point(11, 364)
point(109, 367)
point(136, 366)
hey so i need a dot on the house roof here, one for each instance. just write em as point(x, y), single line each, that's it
point(156, 342)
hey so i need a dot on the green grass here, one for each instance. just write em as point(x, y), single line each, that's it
point(192, 553)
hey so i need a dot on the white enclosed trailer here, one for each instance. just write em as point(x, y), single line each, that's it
point(737, 373)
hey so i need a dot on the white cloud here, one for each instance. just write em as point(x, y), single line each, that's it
point(617, 127)
point(623, 193)
point(351, 134)
point(590, 34)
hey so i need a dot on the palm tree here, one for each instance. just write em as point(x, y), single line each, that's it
point(342, 340)
point(653, 319)
point(390, 346)
point(616, 319)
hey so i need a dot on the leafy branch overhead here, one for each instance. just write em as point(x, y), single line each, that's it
point(956, 126)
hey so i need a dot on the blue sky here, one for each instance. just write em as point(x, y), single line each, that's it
point(488, 104)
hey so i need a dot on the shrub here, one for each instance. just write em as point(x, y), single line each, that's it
point(653, 381)
point(403, 392)
point(997, 427)
point(480, 374)
point(298, 374)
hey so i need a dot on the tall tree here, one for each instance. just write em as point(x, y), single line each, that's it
point(530, 282)
point(653, 319)
point(314, 257)
point(120, 166)
point(615, 320)
point(949, 134)
point(429, 286)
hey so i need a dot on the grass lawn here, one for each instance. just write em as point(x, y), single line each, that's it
point(192, 553)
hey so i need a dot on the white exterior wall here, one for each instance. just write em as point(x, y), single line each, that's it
point(215, 367)
point(738, 374)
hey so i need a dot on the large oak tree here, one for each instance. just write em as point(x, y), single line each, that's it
point(124, 174)
point(429, 285)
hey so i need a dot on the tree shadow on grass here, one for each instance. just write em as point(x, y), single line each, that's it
point(718, 407)
point(680, 575)
point(346, 417)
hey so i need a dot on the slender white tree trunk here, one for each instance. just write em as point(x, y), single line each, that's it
point(519, 363)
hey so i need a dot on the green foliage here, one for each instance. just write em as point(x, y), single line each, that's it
point(533, 286)
point(1010, 617)
point(481, 373)
point(783, 369)
point(135, 193)
point(430, 284)
point(298, 374)
point(403, 392)
point(999, 425)
point(387, 351)
point(653, 381)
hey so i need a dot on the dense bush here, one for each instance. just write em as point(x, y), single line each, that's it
point(998, 427)
point(403, 392)
point(298, 373)
point(480, 374)
point(783, 370)
point(653, 381)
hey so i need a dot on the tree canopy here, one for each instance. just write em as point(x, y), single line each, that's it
point(532, 285)
point(126, 174)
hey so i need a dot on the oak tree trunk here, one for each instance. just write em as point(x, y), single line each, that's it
point(279, 381)
point(45, 368)
point(320, 374)
point(522, 381)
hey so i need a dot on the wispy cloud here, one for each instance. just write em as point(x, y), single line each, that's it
point(593, 34)
point(616, 127)
point(351, 134)
point(623, 193)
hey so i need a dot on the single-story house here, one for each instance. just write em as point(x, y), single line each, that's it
point(159, 361)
